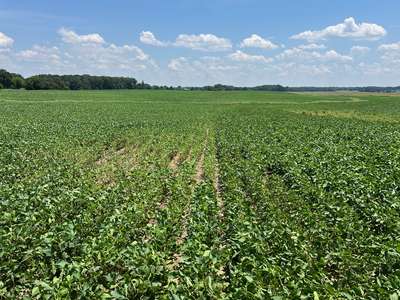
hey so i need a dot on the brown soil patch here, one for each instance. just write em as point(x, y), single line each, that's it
point(108, 156)
point(217, 187)
point(177, 257)
point(176, 260)
point(174, 163)
point(189, 156)
point(184, 233)
point(221, 272)
point(111, 162)
point(199, 176)
point(107, 181)
point(152, 222)
point(183, 236)
point(102, 160)
point(162, 205)
point(121, 151)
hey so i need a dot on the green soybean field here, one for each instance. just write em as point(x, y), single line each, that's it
point(199, 195)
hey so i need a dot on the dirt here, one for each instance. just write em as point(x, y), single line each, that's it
point(121, 151)
point(183, 236)
point(162, 205)
point(108, 156)
point(152, 222)
point(177, 257)
point(189, 156)
point(174, 163)
point(199, 176)
point(107, 181)
point(184, 233)
point(218, 192)
point(176, 261)
point(102, 160)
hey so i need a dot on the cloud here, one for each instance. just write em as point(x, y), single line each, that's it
point(310, 63)
point(203, 42)
point(131, 49)
point(214, 64)
point(244, 57)
point(206, 65)
point(86, 58)
point(332, 55)
point(40, 54)
point(312, 46)
point(206, 70)
point(313, 56)
point(256, 41)
point(5, 41)
point(299, 70)
point(110, 58)
point(359, 50)
point(71, 37)
point(148, 38)
point(177, 64)
point(390, 47)
point(212, 70)
point(391, 54)
point(348, 29)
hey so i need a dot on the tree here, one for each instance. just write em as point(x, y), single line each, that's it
point(11, 80)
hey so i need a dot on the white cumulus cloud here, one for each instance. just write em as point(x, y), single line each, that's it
point(40, 54)
point(5, 41)
point(148, 38)
point(177, 64)
point(348, 29)
point(256, 41)
point(390, 47)
point(71, 37)
point(332, 55)
point(359, 50)
point(312, 46)
point(313, 56)
point(244, 57)
point(203, 42)
point(391, 54)
point(87, 58)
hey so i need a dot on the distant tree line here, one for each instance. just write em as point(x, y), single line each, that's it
point(280, 88)
point(11, 80)
point(87, 82)
point(81, 82)
point(68, 82)
point(221, 87)
point(367, 89)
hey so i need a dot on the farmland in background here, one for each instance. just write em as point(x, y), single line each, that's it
point(174, 194)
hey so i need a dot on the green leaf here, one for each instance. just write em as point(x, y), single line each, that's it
point(316, 297)
point(117, 295)
point(35, 291)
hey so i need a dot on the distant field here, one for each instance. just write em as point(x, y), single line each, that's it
point(191, 195)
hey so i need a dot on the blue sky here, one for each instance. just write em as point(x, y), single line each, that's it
point(198, 42)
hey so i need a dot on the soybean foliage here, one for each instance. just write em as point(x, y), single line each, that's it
point(191, 195)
